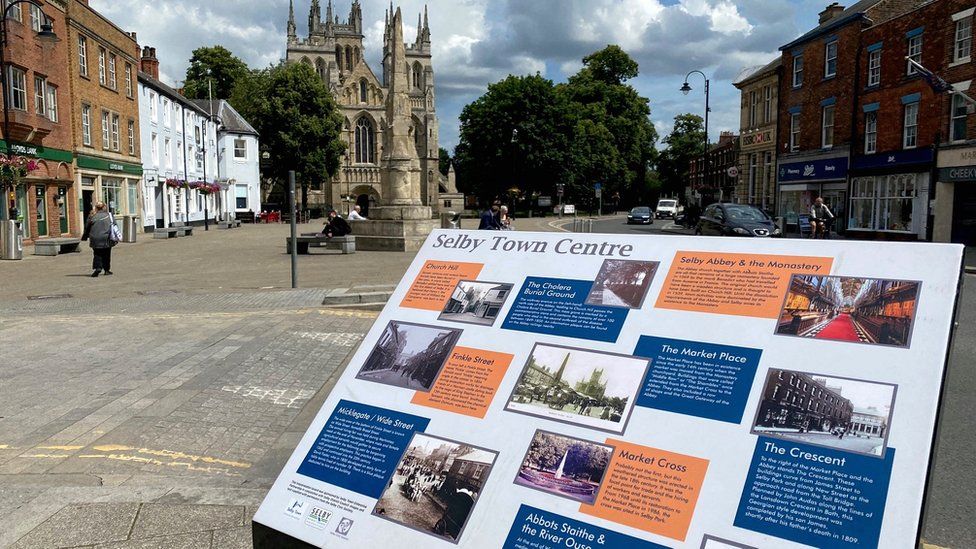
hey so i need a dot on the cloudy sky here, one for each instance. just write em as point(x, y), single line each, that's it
point(476, 42)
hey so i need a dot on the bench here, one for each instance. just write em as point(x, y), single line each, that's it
point(185, 230)
point(164, 232)
point(55, 246)
point(226, 225)
point(345, 244)
point(246, 217)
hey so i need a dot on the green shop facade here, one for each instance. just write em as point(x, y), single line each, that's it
point(117, 184)
point(41, 201)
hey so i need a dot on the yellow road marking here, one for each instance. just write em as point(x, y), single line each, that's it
point(175, 455)
point(65, 448)
point(151, 461)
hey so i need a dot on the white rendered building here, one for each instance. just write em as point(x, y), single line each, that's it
point(179, 147)
point(238, 158)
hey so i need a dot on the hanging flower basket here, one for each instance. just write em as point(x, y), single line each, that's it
point(177, 184)
point(13, 168)
point(205, 188)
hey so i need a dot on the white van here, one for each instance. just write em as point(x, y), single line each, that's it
point(666, 207)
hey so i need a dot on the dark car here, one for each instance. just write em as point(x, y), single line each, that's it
point(641, 215)
point(736, 220)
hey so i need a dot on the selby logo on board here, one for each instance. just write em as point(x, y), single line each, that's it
point(318, 517)
point(295, 509)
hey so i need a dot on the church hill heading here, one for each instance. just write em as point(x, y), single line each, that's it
point(566, 246)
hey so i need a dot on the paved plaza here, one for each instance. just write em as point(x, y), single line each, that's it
point(155, 408)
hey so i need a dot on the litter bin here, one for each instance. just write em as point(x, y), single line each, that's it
point(11, 240)
point(130, 227)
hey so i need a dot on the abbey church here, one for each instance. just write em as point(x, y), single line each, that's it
point(334, 49)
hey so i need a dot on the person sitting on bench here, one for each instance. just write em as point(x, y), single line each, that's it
point(336, 226)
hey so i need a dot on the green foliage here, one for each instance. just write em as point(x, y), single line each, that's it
point(216, 65)
point(685, 141)
point(298, 121)
point(443, 161)
point(490, 159)
point(591, 129)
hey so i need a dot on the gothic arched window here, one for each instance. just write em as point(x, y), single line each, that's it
point(364, 141)
point(348, 58)
point(320, 67)
point(418, 76)
point(307, 61)
point(339, 57)
point(362, 90)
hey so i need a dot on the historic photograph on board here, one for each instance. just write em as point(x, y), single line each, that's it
point(836, 412)
point(578, 386)
point(409, 355)
point(435, 486)
point(569, 467)
point(843, 308)
point(622, 283)
point(476, 302)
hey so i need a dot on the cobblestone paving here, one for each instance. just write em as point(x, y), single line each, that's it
point(189, 401)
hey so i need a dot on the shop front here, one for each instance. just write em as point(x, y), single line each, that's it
point(115, 183)
point(41, 199)
point(800, 182)
point(954, 217)
point(890, 195)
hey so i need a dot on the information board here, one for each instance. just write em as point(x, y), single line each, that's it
point(554, 390)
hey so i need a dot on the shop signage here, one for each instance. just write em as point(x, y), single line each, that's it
point(962, 174)
point(538, 390)
point(814, 170)
point(94, 163)
point(950, 158)
point(894, 159)
point(38, 151)
point(760, 138)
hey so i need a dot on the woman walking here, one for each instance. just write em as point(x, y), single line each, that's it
point(98, 233)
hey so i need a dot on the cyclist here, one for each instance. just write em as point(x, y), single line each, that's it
point(820, 216)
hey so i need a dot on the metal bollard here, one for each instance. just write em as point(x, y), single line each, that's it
point(11, 240)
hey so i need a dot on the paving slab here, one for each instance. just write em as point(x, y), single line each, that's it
point(232, 538)
point(157, 519)
point(196, 540)
point(85, 524)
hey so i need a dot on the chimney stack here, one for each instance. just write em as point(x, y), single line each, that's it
point(830, 12)
point(149, 64)
point(725, 138)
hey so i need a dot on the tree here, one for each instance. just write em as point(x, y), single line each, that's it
point(443, 161)
point(514, 136)
point(298, 121)
point(685, 141)
point(217, 66)
point(613, 139)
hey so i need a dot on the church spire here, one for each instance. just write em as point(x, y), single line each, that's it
point(328, 14)
point(314, 17)
point(425, 34)
point(292, 30)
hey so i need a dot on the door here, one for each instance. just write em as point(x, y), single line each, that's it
point(158, 204)
point(63, 208)
point(87, 203)
point(40, 205)
point(837, 202)
point(363, 202)
point(964, 214)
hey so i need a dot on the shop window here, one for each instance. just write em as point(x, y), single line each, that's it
point(132, 194)
point(862, 203)
point(112, 193)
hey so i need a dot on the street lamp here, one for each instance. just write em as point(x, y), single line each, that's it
point(46, 35)
point(686, 89)
point(514, 169)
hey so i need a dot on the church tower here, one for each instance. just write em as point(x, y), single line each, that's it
point(334, 49)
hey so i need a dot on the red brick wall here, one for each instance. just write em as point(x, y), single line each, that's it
point(958, 73)
point(816, 88)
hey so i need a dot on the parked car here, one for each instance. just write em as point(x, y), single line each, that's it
point(640, 215)
point(736, 220)
point(666, 207)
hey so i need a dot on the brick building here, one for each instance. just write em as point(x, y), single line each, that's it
point(757, 136)
point(817, 97)
point(899, 124)
point(40, 124)
point(955, 189)
point(104, 110)
point(710, 175)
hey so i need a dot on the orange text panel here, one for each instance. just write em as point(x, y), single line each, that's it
point(468, 382)
point(734, 284)
point(649, 489)
point(433, 286)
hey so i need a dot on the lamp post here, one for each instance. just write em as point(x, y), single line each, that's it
point(46, 35)
point(515, 144)
point(686, 89)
